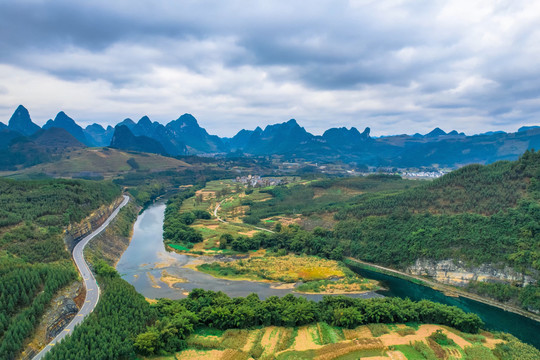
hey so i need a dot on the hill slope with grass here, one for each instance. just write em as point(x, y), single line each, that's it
point(101, 162)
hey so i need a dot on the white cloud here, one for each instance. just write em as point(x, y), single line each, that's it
point(396, 66)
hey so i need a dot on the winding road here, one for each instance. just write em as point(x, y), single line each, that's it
point(92, 288)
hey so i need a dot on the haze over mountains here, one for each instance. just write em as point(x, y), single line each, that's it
point(21, 139)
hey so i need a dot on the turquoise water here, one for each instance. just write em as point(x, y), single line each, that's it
point(497, 319)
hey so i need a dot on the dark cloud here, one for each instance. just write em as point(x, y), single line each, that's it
point(394, 63)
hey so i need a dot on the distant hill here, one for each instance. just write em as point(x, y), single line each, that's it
point(158, 132)
point(65, 122)
point(184, 136)
point(100, 162)
point(20, 121)
point(186, 130)
point(284, 138)
point(6, 136)
point(436, 132)
point(99, 136)
point(124, 139)
point(56, 138)
point(43, 146)
point(527, 128)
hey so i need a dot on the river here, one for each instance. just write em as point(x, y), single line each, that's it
point(523, 328)
point(145, 259)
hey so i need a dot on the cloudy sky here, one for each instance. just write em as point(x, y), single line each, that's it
point(396, 66)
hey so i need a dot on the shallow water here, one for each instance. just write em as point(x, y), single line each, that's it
point(146, 258)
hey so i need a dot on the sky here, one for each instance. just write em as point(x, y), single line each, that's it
point(395, 66)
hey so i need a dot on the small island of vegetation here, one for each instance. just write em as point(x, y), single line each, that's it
point(316, 275)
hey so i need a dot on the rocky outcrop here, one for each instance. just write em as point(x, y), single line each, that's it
point(66, 311)
point(75, 232)
point(455, 272)
point(111, 243)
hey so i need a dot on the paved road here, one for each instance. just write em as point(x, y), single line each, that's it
point(226, 222)
point(92, 289)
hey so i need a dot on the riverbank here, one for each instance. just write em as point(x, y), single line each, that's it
point(314, 275)
point(446, 289)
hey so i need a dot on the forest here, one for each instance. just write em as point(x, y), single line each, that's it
point(176, 319)
point(109, 331)
point(124, 324)
point(34, 264)
point(176, 229)
point(478, 214)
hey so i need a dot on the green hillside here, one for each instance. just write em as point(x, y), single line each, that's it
point(34, 264)
point(477, 214)
point(481, 214)
point(100, 162)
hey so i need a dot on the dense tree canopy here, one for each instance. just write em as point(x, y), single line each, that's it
point(34, 264)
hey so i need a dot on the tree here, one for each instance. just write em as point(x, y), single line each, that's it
point(225, 239)
point(147, 342)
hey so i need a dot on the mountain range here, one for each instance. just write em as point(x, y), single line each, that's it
point(287, 140)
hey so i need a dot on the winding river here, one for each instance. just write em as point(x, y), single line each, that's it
point(146, 260)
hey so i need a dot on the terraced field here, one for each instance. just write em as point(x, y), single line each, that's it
point(321, 341)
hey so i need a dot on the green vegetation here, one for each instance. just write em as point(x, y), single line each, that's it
point(410, 352)
point(425, 350)
point(34, 264)
point(441, 338)
point(25, 292)
point(202, 311)
point(110, 163)
point(51, 202)
point(477, 214)
point(176, 229)
point(513, 349)
point(479, 352)
point(148, 182)
point(483, 211)
point(110, 330)
point(288, 268)
point(378, 329)
point(319, 275)
point(405, 331)
point(321, 195)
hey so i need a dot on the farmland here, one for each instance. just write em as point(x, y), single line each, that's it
point(322, 341)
